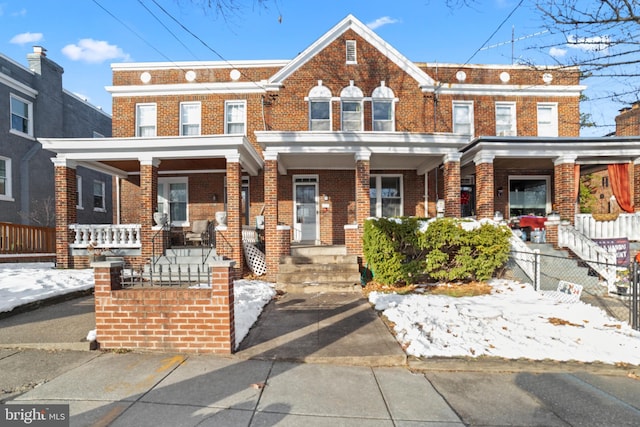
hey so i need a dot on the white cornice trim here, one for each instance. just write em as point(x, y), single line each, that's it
point(186, 89)
point(16, 85)
point(507, 90)
point(497, 66)
point(352, 23)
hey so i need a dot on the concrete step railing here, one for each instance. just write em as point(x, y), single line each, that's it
point(110, 236)
point(598, 258)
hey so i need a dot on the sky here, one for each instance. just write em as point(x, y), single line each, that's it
point(512, 322)
point(86, 36)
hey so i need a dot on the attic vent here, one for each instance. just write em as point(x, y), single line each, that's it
point(351, 52)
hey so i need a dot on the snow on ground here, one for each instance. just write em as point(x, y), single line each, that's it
point(513, 321)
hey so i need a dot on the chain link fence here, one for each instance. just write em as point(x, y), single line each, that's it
point(618, 296)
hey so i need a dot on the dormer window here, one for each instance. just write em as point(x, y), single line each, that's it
point(351, 103)
point(352, 57)
point(319, 108)
point(383, 100)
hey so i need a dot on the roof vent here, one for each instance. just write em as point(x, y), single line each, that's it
point(351, 52)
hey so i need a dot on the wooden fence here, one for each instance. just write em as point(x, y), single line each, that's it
point(26, 239)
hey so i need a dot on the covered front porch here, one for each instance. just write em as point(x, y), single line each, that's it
point(188, 179)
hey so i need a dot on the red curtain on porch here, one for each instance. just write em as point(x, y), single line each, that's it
point(619, 179)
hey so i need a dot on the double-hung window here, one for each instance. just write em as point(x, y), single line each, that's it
point(548, 119)
point(505, 119)
point(235, 117)
point(21, 115)
point(385, 195)
point(382, 100)
point(190, 118)
point(98, 196)
point(146, 120)
point(319, 107)
point(463, 117)
point(5, 179)
point(352, 115)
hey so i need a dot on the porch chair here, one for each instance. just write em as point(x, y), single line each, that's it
point(199, 232)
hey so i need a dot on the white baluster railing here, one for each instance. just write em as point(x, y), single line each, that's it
point(625, 225)
point(527, 259)
point(106, 236)
point(597, 257)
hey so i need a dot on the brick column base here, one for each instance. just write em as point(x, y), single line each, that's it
point(551, 230)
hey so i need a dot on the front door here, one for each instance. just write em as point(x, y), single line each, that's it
point(305, 209)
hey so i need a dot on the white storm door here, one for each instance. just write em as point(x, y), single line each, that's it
point(305, 203)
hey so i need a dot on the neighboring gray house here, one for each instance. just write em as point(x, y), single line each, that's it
point(33, 104)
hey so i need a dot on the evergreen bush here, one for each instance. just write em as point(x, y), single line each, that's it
point(399, 252)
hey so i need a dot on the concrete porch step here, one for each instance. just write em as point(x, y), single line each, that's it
point(319, 269)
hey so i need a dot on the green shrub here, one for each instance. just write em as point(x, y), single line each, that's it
point(398, 252)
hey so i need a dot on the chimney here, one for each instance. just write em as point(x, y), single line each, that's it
point(40, 50)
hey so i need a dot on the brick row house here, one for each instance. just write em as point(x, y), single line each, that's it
point(35, 105)
point(348, 129)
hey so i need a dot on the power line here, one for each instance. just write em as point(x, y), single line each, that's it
point(167, 28)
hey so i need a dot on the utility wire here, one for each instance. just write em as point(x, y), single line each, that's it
point(168, 30)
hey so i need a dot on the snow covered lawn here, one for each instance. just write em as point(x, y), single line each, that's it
point(512, 322)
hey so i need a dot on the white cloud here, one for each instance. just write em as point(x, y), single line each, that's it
point(25, 38)
point(382, 21)
point(589, 44)
point(556, 52)
point(93, 51)
point(21, 12)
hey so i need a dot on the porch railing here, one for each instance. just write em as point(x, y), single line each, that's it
point(594, 255)
point(106, 235)
point(26, 239)
point(626, 225)
point(527, 259)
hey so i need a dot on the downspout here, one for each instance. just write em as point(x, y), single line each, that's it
point(117, 199)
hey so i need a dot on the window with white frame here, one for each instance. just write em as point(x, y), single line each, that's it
point(547, 119)
point(529, 195)
point(21, 115)
point(235, 117)
point(506, 119)
point(351, 52)
point(98, 196)
point(319, 107)
point(146, 120)
point(173, 199)
point(385, 195)
point(463, 117)
point(351, 108)
point(79, 204)
point(5, 179)
point(382, 100)
point(190, 118)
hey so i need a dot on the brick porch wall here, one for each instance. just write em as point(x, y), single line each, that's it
point(636, 185)
point(564, 190)
point(485, 190)
point(165, 319)
point(452, 186)
point(66, 213)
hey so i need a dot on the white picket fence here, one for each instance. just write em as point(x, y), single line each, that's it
point(527, 259)
point(626, 225)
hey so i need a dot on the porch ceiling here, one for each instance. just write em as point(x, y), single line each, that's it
point(121, 156)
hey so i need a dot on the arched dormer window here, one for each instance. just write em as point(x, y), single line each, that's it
point(383, 100)
point(351, 102)
point(319, 107)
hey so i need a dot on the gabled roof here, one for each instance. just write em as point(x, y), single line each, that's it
point(352, 23)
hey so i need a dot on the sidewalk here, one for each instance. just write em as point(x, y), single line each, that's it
point(344, 382)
